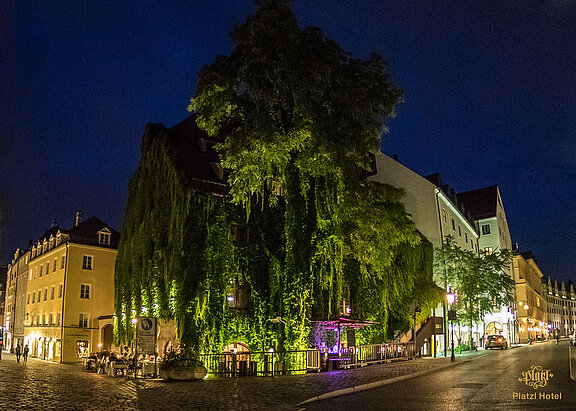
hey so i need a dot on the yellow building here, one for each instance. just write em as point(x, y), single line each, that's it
point(530, 305)
point(70, 286)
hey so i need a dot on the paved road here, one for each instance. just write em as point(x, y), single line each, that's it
point(44, 385)
point(487, 383)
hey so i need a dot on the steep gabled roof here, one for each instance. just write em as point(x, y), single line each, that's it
point(482, 202)
point(86, 232)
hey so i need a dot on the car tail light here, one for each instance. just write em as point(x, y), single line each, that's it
point(499, 339)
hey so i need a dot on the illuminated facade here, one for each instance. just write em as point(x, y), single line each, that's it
point(561, 302)
point(16, 300)
point(529, 300)
point(70, 286)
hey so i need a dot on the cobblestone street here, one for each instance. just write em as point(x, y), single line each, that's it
point(46, 385)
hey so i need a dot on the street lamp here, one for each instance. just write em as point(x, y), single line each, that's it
point(451, 297)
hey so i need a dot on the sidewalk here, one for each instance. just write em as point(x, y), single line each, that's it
point(69, 386)
point(284, 392)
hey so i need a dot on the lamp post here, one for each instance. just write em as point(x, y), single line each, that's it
point(135, 322)
point(450, 297)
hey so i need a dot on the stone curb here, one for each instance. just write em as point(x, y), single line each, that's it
point(381, 383)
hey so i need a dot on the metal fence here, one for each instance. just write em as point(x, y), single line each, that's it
point(269, 363)
point(266, 363)
point(374, 354)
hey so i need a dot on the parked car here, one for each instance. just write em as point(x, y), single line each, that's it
point(495, 341)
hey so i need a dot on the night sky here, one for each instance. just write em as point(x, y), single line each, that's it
point(490, 98)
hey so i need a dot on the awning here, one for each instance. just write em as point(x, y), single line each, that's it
point(345, 322)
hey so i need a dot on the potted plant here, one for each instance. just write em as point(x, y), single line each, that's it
point(182, 364)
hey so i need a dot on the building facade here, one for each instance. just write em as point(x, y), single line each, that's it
point(70, 287)
point(486, 207)
point(16, 300)
point(437, 213)
point(433, 205)
point(561, 306)
point(529, 299)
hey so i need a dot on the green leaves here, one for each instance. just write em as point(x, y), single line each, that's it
point(480, 282)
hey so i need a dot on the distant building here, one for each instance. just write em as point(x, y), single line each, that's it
point(561, 305)
point(530, 301)
point(16, 299)
point(70, 287)
point(486, 208)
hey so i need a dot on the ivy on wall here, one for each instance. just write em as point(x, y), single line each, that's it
point(299, 118)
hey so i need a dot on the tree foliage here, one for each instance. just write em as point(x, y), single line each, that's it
point(299, 119)
point(480, 282)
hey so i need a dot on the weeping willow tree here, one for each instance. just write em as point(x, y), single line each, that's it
point(301, 118)
point(298, 120)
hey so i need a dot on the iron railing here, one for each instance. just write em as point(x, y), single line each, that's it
point(269, 363)
point(265, 363)
point(375, 353)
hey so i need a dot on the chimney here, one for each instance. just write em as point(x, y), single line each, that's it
point(78, 218)
point(54, 223)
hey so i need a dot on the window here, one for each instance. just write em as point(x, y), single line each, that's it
point(52, 293)
point(45, 294)
point(83, 320)
point(28, 300)
point(488, 250)
point(85, 291)
point(41, 268)
point(51, 319)
point(39, 295)
point(459, 231)
point(239, 234)
point(54, 267)
point(444, 215)
point(466, 237)
point(58, 315)
point(104, 238)
point(33, 298)
point(453, 225)
point(60, 287)
point(87, 262)
point(47, 268)
point(63, 262)
point(485, 229)
point(43, 319)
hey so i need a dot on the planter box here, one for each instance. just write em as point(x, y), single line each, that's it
point(184, 373)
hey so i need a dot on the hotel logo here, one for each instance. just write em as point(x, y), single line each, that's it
point(536, 377)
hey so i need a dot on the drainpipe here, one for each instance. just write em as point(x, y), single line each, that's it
point(62, 316)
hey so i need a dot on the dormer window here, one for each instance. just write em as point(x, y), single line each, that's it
point(104, 237)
